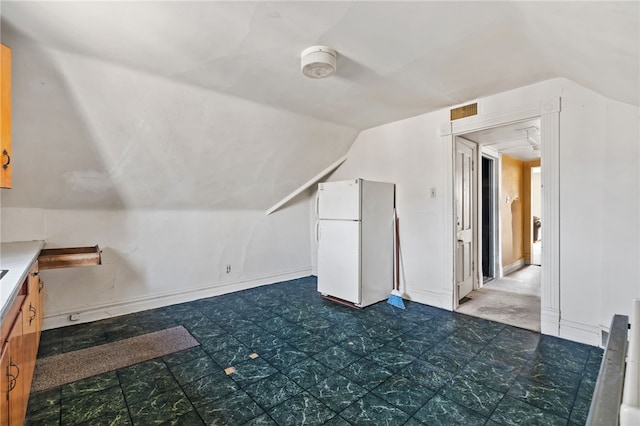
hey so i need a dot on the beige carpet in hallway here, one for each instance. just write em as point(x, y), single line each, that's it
point(513, 300)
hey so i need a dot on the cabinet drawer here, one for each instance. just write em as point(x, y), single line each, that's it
point(69, 257)
point(12, 313)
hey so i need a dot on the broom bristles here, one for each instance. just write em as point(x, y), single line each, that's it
point(396, 299)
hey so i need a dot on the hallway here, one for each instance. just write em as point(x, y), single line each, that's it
point(513, 300)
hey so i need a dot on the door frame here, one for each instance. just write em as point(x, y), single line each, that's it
point(548, 110)
point(494, 157)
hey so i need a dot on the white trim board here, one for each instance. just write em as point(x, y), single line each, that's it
point(500, 118)
point(307, 184)
point(579, 332)
point(548, 110)
point(115, 309)
point(426, 297)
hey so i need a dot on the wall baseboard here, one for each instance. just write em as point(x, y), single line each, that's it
point(580, 332)
point(431, 298)
point(114, 309)
point(512, 267)
point(549, 322)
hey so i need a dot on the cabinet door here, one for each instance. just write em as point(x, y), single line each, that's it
point(5, 117)
point(13, 397)
point(29, 336)
point(4, 386)
point(37, 285)
point(35, 293)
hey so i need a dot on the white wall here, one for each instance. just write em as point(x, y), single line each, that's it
point(90, 134)
point(155, 258)
point(171, 180)
point(409, 153)
point(599, 201)
point(600, 206)
point(619, 192)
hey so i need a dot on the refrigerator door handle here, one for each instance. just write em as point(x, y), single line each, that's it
point(318, 204)
point(317, 231)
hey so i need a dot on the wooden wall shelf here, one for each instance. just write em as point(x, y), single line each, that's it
point(69, 257)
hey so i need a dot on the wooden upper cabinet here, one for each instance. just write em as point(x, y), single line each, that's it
point(5, 117)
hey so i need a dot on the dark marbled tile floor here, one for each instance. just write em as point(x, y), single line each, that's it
point(319, 362)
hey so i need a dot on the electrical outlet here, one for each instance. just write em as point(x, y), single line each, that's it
point(229, 268)
point(74, 317)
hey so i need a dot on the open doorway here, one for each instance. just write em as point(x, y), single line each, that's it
point(488, 217)
point(536, 216)
point(509, 237)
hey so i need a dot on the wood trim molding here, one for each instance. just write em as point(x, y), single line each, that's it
point(579, 332)
point(499, 118)
point(550, 161)
point(549, 112)
point(307, 184)
point(116, 308)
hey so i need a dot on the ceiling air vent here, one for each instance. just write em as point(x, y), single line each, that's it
point(464, 111)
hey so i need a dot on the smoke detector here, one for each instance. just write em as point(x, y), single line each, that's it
point(318, 62)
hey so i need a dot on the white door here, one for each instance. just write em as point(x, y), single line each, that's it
point(465, 216)
point(339, 259)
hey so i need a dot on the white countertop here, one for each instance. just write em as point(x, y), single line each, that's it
point(17, 258)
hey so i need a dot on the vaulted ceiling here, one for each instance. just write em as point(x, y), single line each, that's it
point(222, 81)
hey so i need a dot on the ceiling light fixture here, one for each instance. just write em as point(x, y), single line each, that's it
point(535, 144)
point(318, 62)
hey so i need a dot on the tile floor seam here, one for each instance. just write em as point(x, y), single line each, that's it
point(293, 396)
point(181, 388)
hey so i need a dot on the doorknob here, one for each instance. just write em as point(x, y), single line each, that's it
point(460, 241)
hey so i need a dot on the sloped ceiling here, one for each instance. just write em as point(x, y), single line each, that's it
point(202, 104)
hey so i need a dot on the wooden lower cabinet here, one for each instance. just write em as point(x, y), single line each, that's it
point(19, 350)
point(4, 385)
point(14, 391)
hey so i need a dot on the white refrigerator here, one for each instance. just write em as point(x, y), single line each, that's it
point(355, 233)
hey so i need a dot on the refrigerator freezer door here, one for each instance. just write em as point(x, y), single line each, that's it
point(339, 259)
point(339, 200)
